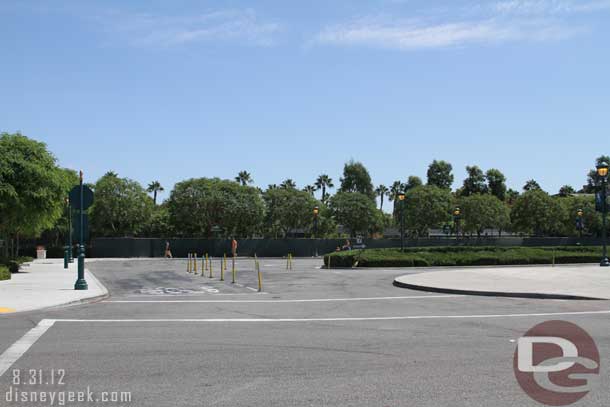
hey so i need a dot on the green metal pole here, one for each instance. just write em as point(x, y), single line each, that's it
point(604, 262)
point(81, 283)
point(67, 246)
point(70, 250)
point(402, 225)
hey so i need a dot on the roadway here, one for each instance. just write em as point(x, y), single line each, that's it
point(313, 337)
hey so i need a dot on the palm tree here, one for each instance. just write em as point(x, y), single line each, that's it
point(381, 191)
point(288, 184)
point(155, 187)
point(310, 189)
point(323, 182)
point(272, 186)
point(395, 189)
point(244, 178)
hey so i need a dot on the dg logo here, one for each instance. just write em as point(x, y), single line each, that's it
point(556, 363)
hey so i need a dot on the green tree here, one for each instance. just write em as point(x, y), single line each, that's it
point(590, 187)
point(121, 207)
point(439, 174)
point(289, 209)
point(592, 220)
point(532, 185)
point(288, 184)
point(159, 224)
point(566, 191)
point(484, 211)
point(244, 178)
point(356, 212)
point(412, 182)
point(475, 182)
point(496, 183)
point(324, 182)
point(310, 189)
point(426, 207)
point(381, 192)
point(154, 188)
point(396, 188)
point(32, 189)
point(511, 196)
point(356, 178)
point(536, 212)
point(198, 205)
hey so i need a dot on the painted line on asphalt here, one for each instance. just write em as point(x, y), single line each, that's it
point(346, 319)
point(412, 297)
point(18, 349)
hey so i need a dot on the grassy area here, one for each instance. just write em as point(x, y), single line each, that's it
point(4, 273)
point(463, 256)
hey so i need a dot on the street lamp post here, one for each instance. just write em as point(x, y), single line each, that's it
point(401, 198)
point(316, 211)
point(456, 220)
point(70, 245)
point(81, 283)
point(579, 222)
point(602, 173)
point(67, 246)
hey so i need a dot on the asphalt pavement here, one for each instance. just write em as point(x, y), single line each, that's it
point(312, 337)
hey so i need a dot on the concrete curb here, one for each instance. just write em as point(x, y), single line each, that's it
point(494, 293)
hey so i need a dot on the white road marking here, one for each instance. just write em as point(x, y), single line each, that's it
point(250, 288)
point(413, 297)
point(12, 354)
point(347, 319)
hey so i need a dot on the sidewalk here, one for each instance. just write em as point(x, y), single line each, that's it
point(43, 284)
point(560, 282)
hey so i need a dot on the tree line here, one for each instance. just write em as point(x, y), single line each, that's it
point(33, 188)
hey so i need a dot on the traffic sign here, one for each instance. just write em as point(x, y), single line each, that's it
point(75, 197)
point(76, 228)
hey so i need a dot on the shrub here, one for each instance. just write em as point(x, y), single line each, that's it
point(13, 266)
point(4, 273)
point(463, 256)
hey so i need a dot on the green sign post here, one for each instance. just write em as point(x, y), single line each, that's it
point(81, 198)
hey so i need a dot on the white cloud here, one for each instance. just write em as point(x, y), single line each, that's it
point(546, 7)
point(410, 35)
point(487, 23)
point(227, 25)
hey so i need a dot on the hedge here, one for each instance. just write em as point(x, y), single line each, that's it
point(4, 273)
point(463, 256)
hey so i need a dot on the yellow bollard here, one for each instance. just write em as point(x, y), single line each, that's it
point(233, 270)
point(202, 265)
point(195, 263)
point(225, 259)
point(206, 262)
point(210, 264)
point(222, 270)
point(260, 277)
point(329, 257)
point(289, 262)
point(188, 263)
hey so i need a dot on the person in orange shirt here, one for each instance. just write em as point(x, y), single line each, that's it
point(234, 247)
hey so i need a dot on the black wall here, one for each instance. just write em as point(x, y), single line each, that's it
point(137, 247)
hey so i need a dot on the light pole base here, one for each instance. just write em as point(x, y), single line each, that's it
point(605, 262)
point(81, 284)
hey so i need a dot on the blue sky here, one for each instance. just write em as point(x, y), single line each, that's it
point(170, 90)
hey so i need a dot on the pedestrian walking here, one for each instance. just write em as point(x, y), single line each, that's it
point(234, 247)
point(168, 252)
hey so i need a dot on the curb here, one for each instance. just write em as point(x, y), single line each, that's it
point(494, 293)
